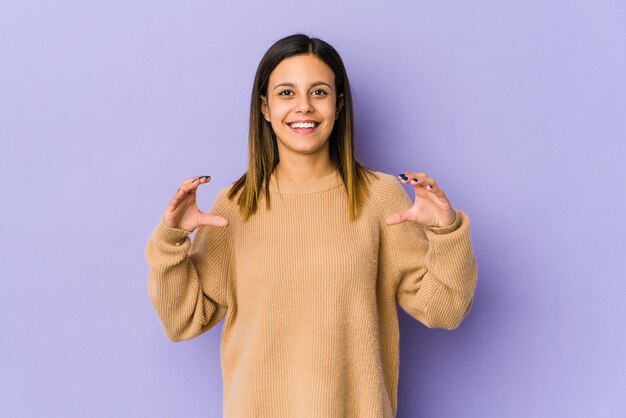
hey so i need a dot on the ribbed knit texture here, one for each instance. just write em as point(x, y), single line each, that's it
point(308, 297)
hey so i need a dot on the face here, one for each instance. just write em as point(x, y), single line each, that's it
point(301, 105)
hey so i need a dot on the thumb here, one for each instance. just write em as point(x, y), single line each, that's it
point(216, 220)
point(399, 217)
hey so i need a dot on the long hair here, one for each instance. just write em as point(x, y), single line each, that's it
point(262, 146)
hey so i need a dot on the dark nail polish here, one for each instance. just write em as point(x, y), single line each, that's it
point(415, 180)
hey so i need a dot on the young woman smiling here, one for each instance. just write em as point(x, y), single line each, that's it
point(308, 281)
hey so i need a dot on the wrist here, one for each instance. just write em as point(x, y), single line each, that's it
point(453, 217)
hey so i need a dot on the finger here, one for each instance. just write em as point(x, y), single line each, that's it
point(399, 217)
point(175, 200)
point(416, 179)
point(216, 220)
point(413, 178)
point(193, 184)
point(414, 174)
point(430, 184)
point(194, 179)
point(190, 180)
point(187, 188)
point(201, 179)
point(190, 187)
point(434, 192)
point(421, 179)
point(179, 196)
point(404, 177)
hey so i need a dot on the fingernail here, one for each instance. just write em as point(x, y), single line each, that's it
point(206, 177)
point(415, 180)
point(402, 176)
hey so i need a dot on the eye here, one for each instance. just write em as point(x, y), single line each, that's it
point(320, 91)
point(284, 91)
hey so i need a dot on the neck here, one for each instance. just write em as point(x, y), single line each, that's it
point(299, 168)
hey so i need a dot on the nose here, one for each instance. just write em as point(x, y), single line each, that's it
point(304, 104)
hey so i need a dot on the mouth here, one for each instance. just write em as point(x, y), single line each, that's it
point(304, 127)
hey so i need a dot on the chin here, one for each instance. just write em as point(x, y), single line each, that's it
point(304, 148)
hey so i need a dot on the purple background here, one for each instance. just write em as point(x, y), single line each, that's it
point(518, 111)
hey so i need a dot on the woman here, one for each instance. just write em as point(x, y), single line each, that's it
point(307, 254)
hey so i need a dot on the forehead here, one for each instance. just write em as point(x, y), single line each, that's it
point(302, 69)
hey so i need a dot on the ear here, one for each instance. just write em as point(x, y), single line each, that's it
point(339, 105)
point(265, 108)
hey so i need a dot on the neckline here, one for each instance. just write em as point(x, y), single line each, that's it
point(322, 184)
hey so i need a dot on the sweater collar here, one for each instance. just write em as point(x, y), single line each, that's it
point(322, 184)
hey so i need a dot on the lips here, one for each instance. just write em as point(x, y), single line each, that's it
point(303, 122)
point(304, 127)
point(304, 131)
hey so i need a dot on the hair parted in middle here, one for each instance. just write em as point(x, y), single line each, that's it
point(262, 146)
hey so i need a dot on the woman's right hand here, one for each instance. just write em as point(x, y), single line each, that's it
point(182, 211)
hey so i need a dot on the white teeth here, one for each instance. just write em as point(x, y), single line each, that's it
point(303, 125)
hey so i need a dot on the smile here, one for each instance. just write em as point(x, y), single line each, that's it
point(304, 128)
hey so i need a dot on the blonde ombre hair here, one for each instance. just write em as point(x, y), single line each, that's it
point(262, 148)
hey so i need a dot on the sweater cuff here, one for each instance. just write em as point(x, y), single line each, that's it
point(174, 236)
point(450, 228)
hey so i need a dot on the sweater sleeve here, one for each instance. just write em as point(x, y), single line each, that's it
point(187, 281)
point(435, 267)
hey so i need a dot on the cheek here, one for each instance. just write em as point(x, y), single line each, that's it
point(279, 109)
point(329, 110)
point(330, 116)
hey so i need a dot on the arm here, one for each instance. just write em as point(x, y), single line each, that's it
point(187, 281)
point(435, 268)
point(437, 272)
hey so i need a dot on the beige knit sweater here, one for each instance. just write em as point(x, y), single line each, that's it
point(309, 298)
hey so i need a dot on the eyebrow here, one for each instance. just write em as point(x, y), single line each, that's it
point(316, 83)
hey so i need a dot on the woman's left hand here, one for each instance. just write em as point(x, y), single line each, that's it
point(431, 206)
